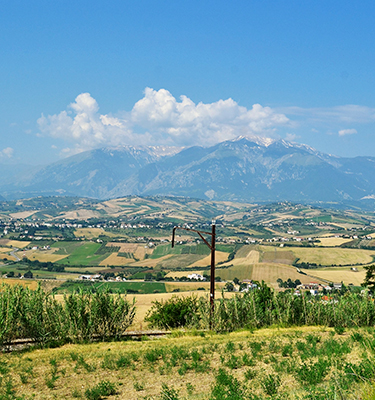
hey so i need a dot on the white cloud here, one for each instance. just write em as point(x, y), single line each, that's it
point(158, 118)
point(344, 132)
point(184, 122)
point(349, 113)
point(7, 152)
point(291, 137)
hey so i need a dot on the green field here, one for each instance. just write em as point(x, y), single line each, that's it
point(163, 250)
point(81, 253)
point(116, 287)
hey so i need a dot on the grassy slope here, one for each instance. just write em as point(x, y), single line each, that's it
point(138, 369)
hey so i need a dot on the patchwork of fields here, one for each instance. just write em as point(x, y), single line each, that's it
point(243, 261)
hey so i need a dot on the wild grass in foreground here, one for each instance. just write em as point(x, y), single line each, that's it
point(295, 363)
point(37, 315)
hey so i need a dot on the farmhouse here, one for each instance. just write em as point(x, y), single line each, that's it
point(197, 277)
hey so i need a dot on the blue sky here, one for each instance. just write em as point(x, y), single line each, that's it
point(85, 74)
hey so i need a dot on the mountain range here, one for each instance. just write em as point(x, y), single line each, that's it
point(244, 169)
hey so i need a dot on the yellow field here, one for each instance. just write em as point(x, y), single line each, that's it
point(271, 272)
point(240, 271)
point(22, 214)
point(80, 214)
point(332, 241)
point(4, 256)
point(332, 256)
point(114, 259)
point(220, 256)
point(42, 256)
point(245, 256)
point(340, 275)
point(23, 282)
point(14, 243)
point(178, 274)
point(91, 233)
point(5, 249)
point(189, 286)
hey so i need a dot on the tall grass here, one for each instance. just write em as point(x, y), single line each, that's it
point(265, 307)
point(38, 316)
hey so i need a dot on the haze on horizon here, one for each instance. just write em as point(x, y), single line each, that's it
point(82, 75)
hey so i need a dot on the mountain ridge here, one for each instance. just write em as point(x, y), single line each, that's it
point(243, 169)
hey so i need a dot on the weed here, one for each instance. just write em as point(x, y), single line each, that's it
point(82, 363)
point(227, 387)
point(190, 388)
point(270, 384)
point(250, 374)
point(248, 360)
point(287, 350)
point(313, 339)
point(201, 366)
point(138, 386)
point(103, 388)
point(313, 373)
point(233, 362)
point(168, 393)
point(357, 337)
point(153, 355)
point(230, 347)
point(76, 394)
point(339, 330)
point(183, 369)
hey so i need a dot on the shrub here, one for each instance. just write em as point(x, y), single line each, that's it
point(173, 313)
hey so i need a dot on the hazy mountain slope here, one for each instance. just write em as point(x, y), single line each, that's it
point(91, 173)
point(243, 169)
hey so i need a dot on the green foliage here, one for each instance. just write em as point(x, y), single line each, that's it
point(102, 389)
point(25, 313)
point(270, 384)
point(168, 393)
point(313, 373)
point(173, 313)
point(227, 387)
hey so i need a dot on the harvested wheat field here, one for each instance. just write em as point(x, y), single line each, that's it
point(179, 274)
point(91, 233)
point(114, 259)
point(344, 275)
point(42, 256)
point(333, 256)
point(14, 243)
point(23, 282)
point(271, 272)
point(220, 256)
point(4, 256)
point(332, 241)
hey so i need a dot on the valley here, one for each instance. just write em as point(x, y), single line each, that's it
point(125, 243)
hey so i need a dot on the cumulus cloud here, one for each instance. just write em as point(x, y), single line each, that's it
point(159, 118)
point(184, 122)
point(7, 152)
point(344, 132)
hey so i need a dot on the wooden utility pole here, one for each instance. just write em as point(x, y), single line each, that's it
point(212, 248)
